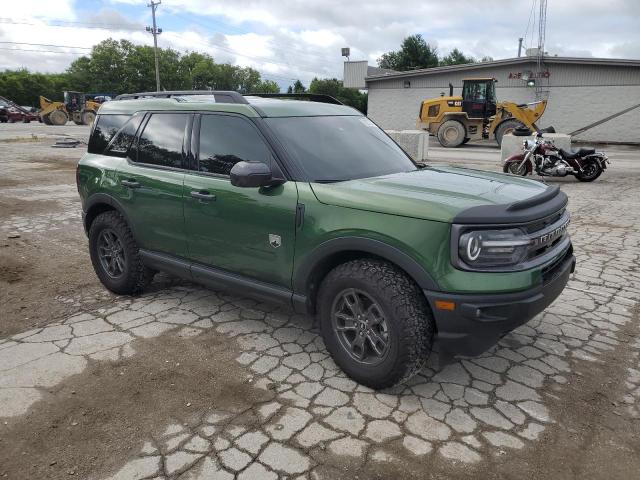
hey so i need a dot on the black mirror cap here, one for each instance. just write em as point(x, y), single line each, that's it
point(251, 175)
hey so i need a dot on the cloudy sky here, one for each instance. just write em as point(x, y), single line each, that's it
point(289, 39)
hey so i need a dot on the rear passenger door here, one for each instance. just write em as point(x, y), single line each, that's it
point(150, 182)
point(247, 231)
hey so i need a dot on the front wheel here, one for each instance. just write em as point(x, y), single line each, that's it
point(115, 256)
point(590, 172)
point(516, 168)
point(451, 134)
point(375, 322)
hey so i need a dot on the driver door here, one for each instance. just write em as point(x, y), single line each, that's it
point(246, 231)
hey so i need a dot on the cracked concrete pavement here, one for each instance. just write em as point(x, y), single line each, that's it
point(467, 416)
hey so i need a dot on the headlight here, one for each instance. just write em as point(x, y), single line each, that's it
point(493, 248)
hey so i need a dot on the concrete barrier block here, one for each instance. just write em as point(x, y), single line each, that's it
point(512, 144)
point(414, 142)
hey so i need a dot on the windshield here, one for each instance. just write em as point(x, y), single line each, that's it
point(338, 148)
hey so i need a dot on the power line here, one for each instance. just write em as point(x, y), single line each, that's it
point(47, 51)
point(46, 45)
point(103, 26)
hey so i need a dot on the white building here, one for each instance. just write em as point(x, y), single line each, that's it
point(581, 91)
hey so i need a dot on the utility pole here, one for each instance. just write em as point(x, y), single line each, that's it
point(155, 31)
point(520, 46)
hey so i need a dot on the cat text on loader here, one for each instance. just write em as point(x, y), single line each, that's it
point(75, 107)
point(476, 114)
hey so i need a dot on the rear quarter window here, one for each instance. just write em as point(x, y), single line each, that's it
point(106, 127)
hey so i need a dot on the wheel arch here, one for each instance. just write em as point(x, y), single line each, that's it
point(328, 255)
point(100, 203)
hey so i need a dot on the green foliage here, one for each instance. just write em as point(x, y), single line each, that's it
point(24, 87)
point(416, 53)
point(333, 87)
point(456, 57)
point(119, 66)
point(297, 87)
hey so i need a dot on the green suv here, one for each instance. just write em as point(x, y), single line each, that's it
point(310, 204)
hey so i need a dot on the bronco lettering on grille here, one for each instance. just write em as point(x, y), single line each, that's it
point(549, 237)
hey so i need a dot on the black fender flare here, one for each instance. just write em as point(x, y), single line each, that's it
point(104, 199)
point(361, 244)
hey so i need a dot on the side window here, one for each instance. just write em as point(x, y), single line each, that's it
point(119, 145)
point(161, 140)
point(226, 140)
point(106, 127)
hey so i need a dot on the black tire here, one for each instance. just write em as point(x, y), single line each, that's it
point(135, 276)
point(45, 119)
point(512, 168)
point(592, 170)
point(406, 313)
point(58, 117)
point(88, 117)
point(506, 127)
point(451, 134)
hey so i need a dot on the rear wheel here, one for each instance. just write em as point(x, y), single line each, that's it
point(88, 117)
point(590, 172)
point(375, 322)
point(45, 119)
point(58, 117)
point(507, 127)
point(115, 255)
point(451, 134)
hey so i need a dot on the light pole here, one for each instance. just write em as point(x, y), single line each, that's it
point(155, 31)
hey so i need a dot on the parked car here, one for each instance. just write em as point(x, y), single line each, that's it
point(25, 116)
point(312, 205)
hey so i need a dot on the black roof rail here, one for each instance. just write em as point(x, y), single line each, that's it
point(312, 97)
point(221, 96)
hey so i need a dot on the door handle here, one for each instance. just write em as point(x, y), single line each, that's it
point(203, 195)
point(130, 184)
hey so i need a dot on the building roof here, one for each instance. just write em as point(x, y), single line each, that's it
point(256, 106)
point(619, 62)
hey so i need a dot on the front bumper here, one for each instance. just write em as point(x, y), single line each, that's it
point(479, 321)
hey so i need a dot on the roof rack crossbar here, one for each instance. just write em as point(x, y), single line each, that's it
point(313, 97)
point(221, 96)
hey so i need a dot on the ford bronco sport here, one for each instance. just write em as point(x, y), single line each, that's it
point(310, 204)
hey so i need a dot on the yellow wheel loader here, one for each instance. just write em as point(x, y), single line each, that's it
point(75, 107)
point(476, 114)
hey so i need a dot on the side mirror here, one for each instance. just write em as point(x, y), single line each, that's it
point(251, 175)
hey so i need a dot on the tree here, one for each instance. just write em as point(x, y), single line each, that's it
point(297, 87)
point(334, 88)
point(414, 53)
point(456, 57)
point(486, 58)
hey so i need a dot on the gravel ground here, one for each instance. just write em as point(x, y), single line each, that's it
point(184, 382)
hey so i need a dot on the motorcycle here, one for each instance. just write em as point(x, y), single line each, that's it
point(542, 155)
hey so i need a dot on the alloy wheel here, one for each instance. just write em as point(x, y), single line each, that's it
point(361, 326)
point(111, 253)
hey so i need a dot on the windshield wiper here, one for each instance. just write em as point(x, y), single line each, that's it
point(325, 180)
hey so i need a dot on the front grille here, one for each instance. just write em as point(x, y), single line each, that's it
point(540, 224)
point(547, 235)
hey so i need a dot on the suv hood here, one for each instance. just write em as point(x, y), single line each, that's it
point(432, 193)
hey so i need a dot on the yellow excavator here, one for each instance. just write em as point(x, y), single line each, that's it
point(74, 107)
point(476, 114)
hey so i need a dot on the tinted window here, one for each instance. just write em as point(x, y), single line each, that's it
point(161, 141)
point(337, 148)
point(105, 128)
point(120, 144)
point(226, 140)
